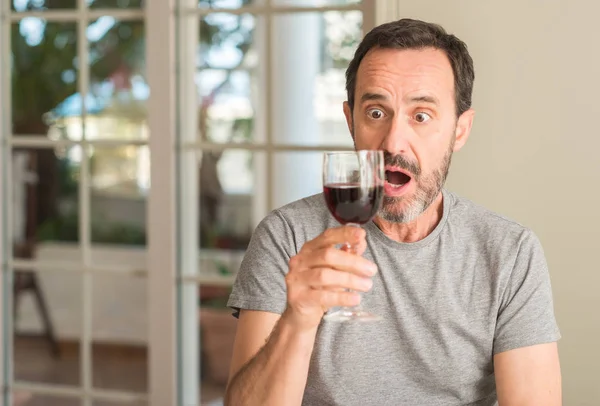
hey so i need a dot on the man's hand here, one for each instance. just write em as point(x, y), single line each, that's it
point(320, 274)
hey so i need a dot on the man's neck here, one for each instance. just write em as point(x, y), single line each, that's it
point(417, 229)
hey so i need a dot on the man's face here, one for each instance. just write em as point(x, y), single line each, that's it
point(405, 105)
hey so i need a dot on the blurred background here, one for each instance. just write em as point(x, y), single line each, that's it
point(144, 141)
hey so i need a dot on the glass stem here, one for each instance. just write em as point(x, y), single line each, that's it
point(347, 245)
point(352, 249)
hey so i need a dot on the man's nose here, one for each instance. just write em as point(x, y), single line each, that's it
point(396, 141)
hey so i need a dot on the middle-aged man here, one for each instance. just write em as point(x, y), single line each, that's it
point(464, 294)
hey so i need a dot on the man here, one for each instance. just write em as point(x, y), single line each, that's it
point(464, 294)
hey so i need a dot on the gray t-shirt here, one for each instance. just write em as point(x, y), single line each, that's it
point(476, 286)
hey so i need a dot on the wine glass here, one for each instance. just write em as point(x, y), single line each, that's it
point(353, 187)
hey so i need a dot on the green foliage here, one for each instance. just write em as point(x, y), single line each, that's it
point(69, 176)
point(63, 228)
point(117, 4)
point(66, 229)
point(39, 70)
point(45, 67)
point(230, 30)
point(45, 72)
point(71, 4)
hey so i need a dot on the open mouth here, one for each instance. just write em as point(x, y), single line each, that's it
point(396, 179)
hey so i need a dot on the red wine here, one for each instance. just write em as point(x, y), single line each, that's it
point(349, 203)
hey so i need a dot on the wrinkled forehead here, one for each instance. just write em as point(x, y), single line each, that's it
point(402, 72)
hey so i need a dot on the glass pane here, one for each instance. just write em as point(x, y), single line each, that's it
point(228, 198)
point(26, 5)
point(119, 332)
point(118, 89)
point(310, 54)
point(227, 4)
point(23, 398)
point(45, 212)
point(229, 78)
point(115, 3)
point(48, 313)
point(289, 183)
point(45, 101)
point(120, 180)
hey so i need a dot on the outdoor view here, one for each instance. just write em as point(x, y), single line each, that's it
point(47, 103)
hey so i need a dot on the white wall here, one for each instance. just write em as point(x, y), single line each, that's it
point(534, 154)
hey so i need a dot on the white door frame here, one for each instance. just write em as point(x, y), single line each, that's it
point(161, 210)
point(5, 114)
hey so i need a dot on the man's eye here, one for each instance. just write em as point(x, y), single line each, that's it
point(375, 114)
point(422, 117)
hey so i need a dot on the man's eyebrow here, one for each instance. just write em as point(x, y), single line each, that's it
point(372, 97)
point(424, 99)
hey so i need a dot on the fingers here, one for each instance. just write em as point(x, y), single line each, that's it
point(325, 278)
point(328, 298)
point(339, 260)
point(355, 236)
point(355, 249)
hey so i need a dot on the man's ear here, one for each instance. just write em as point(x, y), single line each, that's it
point(348, 114)
point(463, 129)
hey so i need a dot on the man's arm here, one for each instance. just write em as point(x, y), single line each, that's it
point(529, 376)
point(525, 352)
point(270, 361)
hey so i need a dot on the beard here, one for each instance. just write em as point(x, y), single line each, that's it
point(405, 209)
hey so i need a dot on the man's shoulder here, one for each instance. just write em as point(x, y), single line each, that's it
point(298, 211)
point(309, 214)
point(476, 218)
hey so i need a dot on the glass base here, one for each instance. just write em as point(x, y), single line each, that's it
point(351, 315)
